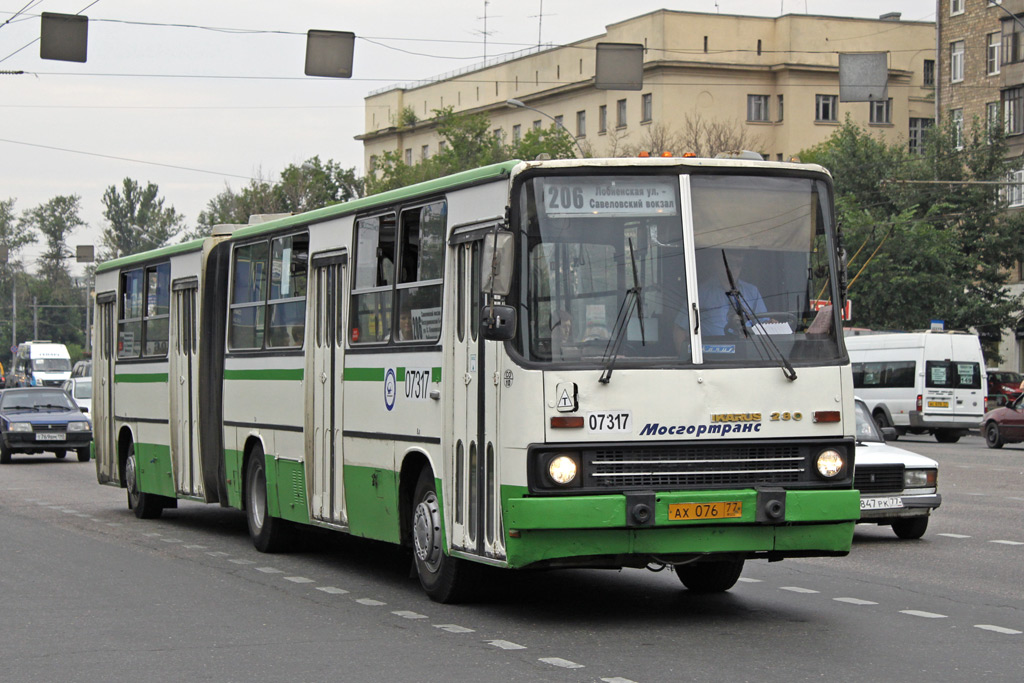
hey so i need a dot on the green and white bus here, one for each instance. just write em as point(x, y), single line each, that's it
point(572, 363)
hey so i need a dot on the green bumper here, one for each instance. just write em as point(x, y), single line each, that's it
point(543, 529)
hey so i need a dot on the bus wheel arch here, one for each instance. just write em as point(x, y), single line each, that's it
point(125, 439)
point(413, 465)
point(144, 505)
point(269, 534)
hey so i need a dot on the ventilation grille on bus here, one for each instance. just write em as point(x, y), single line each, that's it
point(878, 478)
point(695, 466)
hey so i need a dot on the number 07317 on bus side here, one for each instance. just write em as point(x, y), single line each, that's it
point(572, 363)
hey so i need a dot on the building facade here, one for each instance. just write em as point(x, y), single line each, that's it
point(774, 82)
point(980, 78)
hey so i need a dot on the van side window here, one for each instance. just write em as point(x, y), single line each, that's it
point(884, 375)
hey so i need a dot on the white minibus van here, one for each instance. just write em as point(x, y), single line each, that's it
point(921, 382)
point(40, 363)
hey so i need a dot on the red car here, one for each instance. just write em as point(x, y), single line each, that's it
point(1004, 383)
point(1004, 424)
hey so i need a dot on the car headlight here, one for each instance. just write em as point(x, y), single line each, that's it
point(19, 427)
point(915, 479)
point(830, 463)
point(562, 469)
point(78, 426)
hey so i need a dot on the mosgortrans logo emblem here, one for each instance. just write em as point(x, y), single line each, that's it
point(719, 425)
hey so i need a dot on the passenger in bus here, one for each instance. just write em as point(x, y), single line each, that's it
point(561, 334)
point(405, 328)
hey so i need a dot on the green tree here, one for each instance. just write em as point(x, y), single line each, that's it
point(137, 219)
point(927, 236)
point(15, 236)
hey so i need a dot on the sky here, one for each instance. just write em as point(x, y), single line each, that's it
point(196, 96)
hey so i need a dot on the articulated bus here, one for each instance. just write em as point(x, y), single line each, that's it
point(595, 363)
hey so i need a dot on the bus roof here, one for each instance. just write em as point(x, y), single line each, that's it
point(184, 247)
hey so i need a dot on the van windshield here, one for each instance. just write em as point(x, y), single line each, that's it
point(51, 365)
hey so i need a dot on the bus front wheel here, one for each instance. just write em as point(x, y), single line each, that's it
point(444, 578)
point(144, 505)
point(710, 577)
point(269, 534)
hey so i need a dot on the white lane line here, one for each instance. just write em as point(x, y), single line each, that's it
point(331, 590)
point(370, 602)
point(999, 629)
point(618, 680)
point(855, 601)
point(558, 661)
point(269, 570)
point(954, 535)
point(194, 546)
point(797, 589)
point(1007, 542)
point(298, 579)
point(506, 645)
point(241, 562)
point(217, 553)
point(743, 579)
point(453, 628)
point(114, 524)
point(407, 614)
point(69, 511)
point(923, 615)
point(171, 540)
point(153, 534)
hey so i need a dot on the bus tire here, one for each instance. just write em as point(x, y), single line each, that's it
point(144, 505)
point(444, 578)
point(993, 439)
point(710, 577)
point(910, 529)
point(947, 435)
point(83, 454)
point(269, 534)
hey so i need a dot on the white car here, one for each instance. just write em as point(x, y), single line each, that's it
point(80, 389)
point(897, 487)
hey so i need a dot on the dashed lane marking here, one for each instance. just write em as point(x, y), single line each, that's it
point(954, 535)
point(298, 579)
point(1007, 542)
point(269, 570)
point(506, 645)
point(332, 590)
point(217, 553)
point(999, 629)
point(797, 589)
point(855, 601)
point(241, 561)
point(923, 615)
point(194, 546)
point(453, 628)
point(617, 680)
point(558, 661)
point(407, 614)
point(744, 580)
point(370, 602)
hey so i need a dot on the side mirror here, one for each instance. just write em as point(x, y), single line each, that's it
point(497, 259)
point(888, 433)
point(498, 323)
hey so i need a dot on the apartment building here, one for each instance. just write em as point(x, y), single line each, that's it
point(980, 78)
point(776, 80)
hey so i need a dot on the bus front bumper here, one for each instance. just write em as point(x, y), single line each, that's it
point(601, 530)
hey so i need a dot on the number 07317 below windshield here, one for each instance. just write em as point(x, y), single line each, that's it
point(614, 272)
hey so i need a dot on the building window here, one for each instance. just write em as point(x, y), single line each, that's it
point(956, 61)
point(517, 133)
point(620, 121)
point(992, 61)
point(536, 124)
point(581, 124)
point(496, 133)
point(992, 116)
point(408, 156)
point(881, 111)
point(957, 117)
point(757, 107)
point(917, 129)
point(646, 108)
point(1014, 194)
point(425, 152)
point(781, 109)
point(558, 121)
point(928, 72)
point(825, 107)
point(441, 146)
point(602, 118)
point(956, 7)
point(1011, 42)
point(1013, 110)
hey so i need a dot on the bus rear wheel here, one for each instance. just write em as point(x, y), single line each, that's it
point(144, 505)
point(444, 578)
point(710, 577)
point(269, 534)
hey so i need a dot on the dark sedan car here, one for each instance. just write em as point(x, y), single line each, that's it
point(1004, 424)
point(38, 419)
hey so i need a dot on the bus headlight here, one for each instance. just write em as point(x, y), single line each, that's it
point(830, 463)
point(562, 469)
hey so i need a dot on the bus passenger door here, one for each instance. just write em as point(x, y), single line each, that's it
point(104, 437)
point(184, 385)
point(325, 363)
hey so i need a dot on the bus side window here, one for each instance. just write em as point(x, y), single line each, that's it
point(421, 265)
point(374, 278)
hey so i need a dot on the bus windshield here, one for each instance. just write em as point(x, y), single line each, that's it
point(606, 262)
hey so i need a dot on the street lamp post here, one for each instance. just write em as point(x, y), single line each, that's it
point(519, 103)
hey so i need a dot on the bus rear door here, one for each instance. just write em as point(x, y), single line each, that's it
point(104, 437)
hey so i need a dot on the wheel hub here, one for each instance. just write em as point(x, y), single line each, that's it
point(426, 532)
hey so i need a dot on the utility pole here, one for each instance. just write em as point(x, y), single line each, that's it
point(35, 317)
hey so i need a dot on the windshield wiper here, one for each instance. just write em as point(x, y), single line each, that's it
point(632, 301)
point(747, 317)
point(51, 406)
